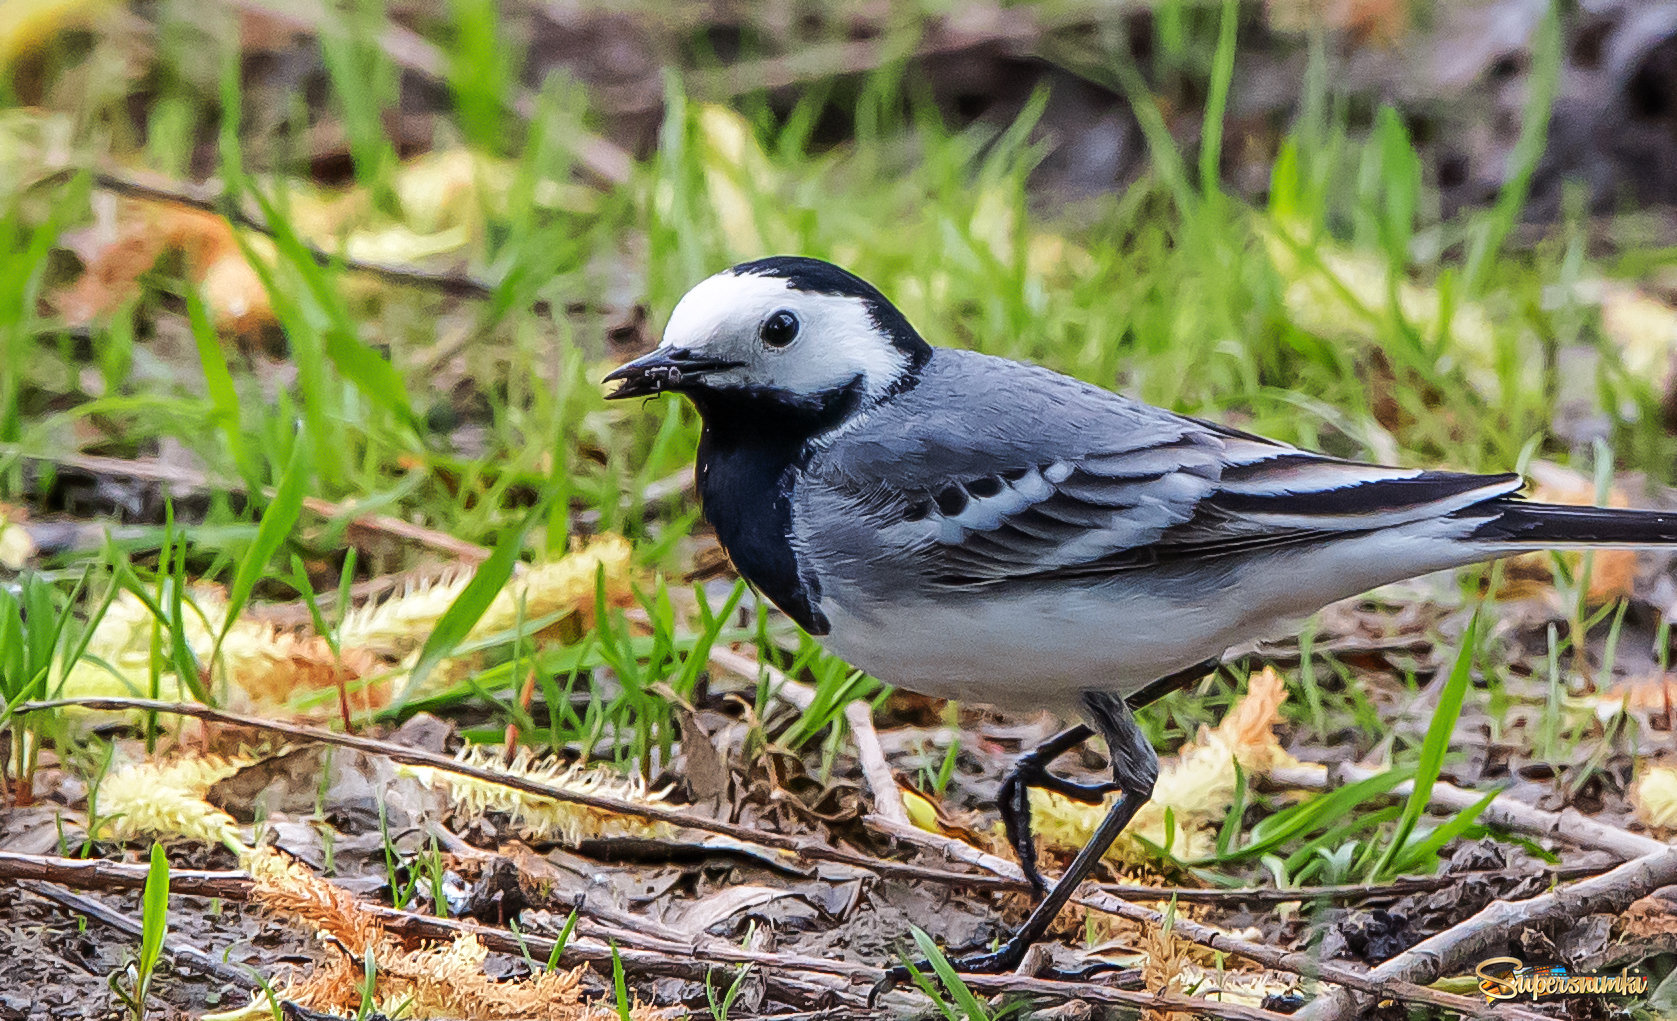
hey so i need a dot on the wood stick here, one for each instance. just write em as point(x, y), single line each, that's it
point(1568, 826)
point(1217, 939)
point(147, 471)
point(809, 848)
point(129, 926)
point(653, 955)
point(1468, 942)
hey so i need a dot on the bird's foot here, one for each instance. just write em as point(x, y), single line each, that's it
point(1005, 958)
point(992, 962)
point(1084, 793)
point(1031, 770)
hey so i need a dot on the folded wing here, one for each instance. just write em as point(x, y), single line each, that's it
point(1191, 490)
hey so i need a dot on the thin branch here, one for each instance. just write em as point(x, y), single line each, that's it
point(454, 283)
point(101, 874)
point(808, 848)
point(638, 950)
point(645, 954)
point(604, 163)
point(876, 769)
point(1216, 939)
point(1567, 826)
point(1342, 893)
point(1464, 944)
point(296, 614)
point(1009, 30)
point(217, 202)
point(106, 915)
point(186, 478)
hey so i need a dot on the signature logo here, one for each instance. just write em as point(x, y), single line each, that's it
point(1504, 978)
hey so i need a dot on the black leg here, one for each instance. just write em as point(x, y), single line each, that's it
point(1031, 770)
point(1135, 767)
point(1158, 689)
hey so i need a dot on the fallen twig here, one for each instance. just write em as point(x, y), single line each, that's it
point(805, 847)
point(455, 283)
point(1216, 939)
point(100, 874)
point(1568, 825)
point(811, 849)
point(1468, 942)
point(1343, 893)
point(646, 953)
point(876, 770)
point(217, 202)
point(186, 478)
point(1008, 29)
point(637, 950)
point(106, 915)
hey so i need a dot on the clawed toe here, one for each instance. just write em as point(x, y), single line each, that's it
point(995, 962)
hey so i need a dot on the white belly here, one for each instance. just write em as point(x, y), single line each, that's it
point(1039, 645)
point(1033, 652)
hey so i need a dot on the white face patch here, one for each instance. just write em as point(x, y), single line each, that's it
point(836, 341)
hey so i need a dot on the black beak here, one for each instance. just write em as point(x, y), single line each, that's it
point(661, 370)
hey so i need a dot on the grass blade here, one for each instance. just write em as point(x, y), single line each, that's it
point(218, 381)
point(1528, 150)
point(969, 1002)
point(469, 606)
point(1434, 745)
point(154, 921)
point(278, 519)
point(1222, 73)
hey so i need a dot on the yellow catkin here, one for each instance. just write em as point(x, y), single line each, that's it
point(1161, 971)
point(16, 545)
point(537, 817)
point(399, 625)
point(165, 801)
point(266, 670)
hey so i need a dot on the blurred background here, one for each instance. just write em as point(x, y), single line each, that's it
point(304, 306)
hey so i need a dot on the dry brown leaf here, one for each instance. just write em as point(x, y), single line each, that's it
point(1640, 696)
point(144, 232)
point(1366, 21)
point(1648, 918)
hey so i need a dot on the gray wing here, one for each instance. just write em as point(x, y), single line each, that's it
point(990, 471)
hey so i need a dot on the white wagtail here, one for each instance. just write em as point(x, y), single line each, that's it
point(971, 527)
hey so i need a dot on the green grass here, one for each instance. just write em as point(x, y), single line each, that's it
point(134, 987)
point(1339, 311)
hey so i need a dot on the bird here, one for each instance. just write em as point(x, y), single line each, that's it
point(970, 527)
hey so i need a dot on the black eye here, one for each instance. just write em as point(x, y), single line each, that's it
point(779, 329)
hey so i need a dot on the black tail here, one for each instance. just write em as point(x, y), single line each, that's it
point(1522, 523)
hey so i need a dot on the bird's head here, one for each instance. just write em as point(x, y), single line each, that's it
point(797, 331)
